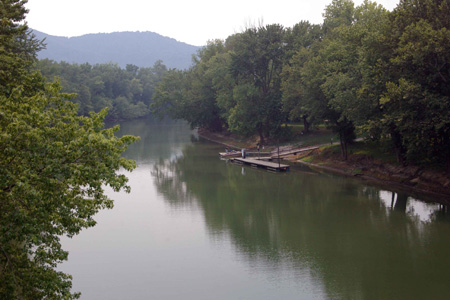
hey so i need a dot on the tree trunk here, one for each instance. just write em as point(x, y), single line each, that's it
point(261, 137)
point(345, 150)
point(306, 124)
point(448, 165)
point(343, 146)
point(398, 146)
point(401, 203)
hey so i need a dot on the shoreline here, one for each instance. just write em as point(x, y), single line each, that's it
point(411, 179)
point(442, 198)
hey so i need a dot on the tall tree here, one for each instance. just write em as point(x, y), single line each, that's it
point(256, 64)
point(54, 165)
point(193, 95)
point(168, 98)
point(320, 75)
point(18, 47)
point(300, 42)
point(416, 103)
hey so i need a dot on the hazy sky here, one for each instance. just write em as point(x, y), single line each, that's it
point(190, 21)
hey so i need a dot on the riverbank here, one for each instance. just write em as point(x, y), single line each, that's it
point(410, 178)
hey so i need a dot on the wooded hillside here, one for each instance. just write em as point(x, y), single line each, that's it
point(142, 49)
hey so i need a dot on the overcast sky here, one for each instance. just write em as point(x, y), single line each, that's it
point(190, 21)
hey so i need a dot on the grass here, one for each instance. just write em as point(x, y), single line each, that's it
point(377, 151)
point(318, 135)
point(307, 159)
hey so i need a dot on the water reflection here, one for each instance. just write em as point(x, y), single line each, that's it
point(159, 139)
point(357, 241)
point(414, 208)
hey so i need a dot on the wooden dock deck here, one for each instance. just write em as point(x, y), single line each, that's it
point(261, 164)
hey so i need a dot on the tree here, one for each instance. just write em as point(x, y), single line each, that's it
point(301, 40)
point(338, 13)
point(54, 165)
point(202, 90)
point(233, 85)
point(193, 95)
point(319, 76)
point(256, 64)
point(415, 104)
point(18, 47)
point(169, 94)
point(127, 93)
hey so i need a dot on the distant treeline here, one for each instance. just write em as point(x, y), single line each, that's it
point(126, 92)
point(384, 73)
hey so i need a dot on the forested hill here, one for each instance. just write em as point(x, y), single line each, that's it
point(142, 49)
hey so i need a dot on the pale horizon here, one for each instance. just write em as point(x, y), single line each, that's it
point(194, 22)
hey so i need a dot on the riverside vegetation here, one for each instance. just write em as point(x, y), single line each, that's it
point(364, 70)
point(54, 166)
point(126, 92)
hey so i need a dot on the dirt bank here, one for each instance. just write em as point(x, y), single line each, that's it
point(411, 178)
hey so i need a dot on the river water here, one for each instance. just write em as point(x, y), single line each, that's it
point(197, 227)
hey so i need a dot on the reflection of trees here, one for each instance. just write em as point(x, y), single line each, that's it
point(159, 138)
point(341, 231)
point(400, 204)
point(442, 214)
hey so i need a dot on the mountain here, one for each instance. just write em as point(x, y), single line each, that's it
point(142, 49)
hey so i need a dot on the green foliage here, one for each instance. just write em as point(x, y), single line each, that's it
point(298, 100)
point(126, 92)
point(334, 80)
point(416, 103)
point(233, 85)
point(386, 73)
point(192, 95)
point(54, 165)
point(169, 94)
point(17, 46)
point(338, 13)
point(256, 63)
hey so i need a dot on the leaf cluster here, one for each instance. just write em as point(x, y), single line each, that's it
point(54, 166)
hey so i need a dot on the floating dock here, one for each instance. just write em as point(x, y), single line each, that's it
point(257, 163)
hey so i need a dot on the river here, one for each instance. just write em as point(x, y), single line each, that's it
point(197, 227)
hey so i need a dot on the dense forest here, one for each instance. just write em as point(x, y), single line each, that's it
point(364, 69)
point(126, 92)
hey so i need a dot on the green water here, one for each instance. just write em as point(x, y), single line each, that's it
point(197, 227)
